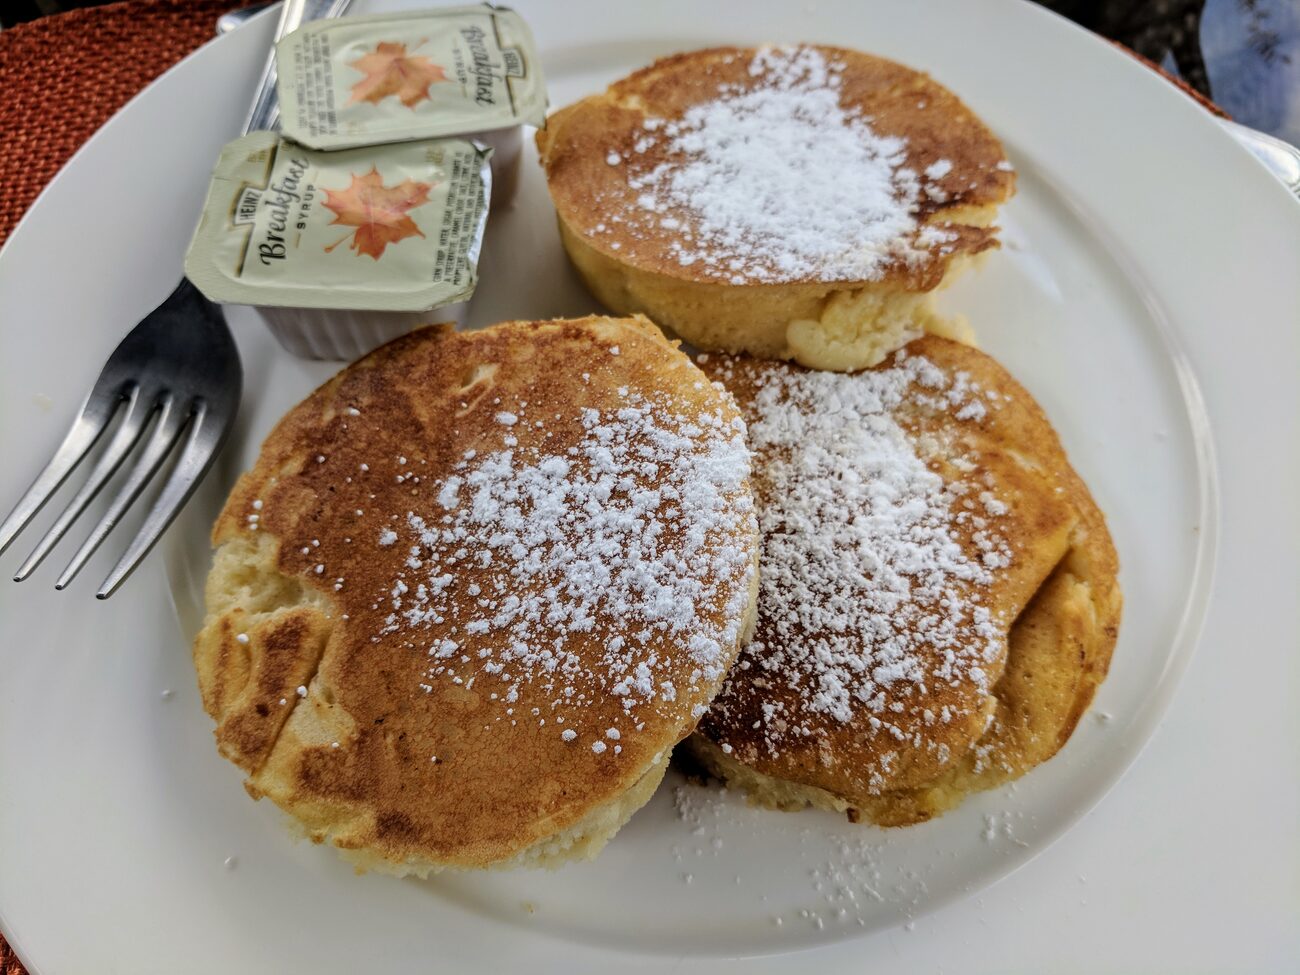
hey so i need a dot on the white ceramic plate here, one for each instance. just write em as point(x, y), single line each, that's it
point(1146, 295)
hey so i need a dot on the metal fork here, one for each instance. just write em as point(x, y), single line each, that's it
point(177, 375)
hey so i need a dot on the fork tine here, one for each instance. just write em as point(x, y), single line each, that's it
point(205, 437)
point(124, 440)
point(171, 421)
point(96, 414)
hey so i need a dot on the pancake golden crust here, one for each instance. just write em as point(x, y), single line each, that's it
point(914, 731)
point(577, 143)
point(475, 589)
point(671, 206)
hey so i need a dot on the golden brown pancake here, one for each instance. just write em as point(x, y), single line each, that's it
point(475, 589)
point(938, 598)
point(786, 202)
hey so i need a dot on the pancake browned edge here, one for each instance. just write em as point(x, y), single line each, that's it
point(917, 732)
point(476, 588)
point(632, 257)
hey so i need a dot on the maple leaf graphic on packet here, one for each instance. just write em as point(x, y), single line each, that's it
point(378, 212)
point(389, 70)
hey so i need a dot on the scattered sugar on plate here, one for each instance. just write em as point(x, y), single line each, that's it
point(843, 876)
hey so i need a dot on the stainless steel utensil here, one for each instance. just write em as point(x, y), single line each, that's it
point(265, 113)
point(237, 18)
point(177, 376)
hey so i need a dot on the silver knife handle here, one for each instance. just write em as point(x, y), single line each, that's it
point(265, 113)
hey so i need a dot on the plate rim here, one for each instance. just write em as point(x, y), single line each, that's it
point(1203, 577)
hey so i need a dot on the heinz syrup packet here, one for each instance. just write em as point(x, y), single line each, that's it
point(395, 77)
point(386, 228)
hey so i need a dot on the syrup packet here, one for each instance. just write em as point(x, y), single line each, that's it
point(311, 237)
point(394, 227)
point(394, 77)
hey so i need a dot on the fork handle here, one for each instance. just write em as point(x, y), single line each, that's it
point(265, 113)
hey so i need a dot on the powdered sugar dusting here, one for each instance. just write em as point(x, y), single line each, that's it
point(868, 597)
point(777, 181)
point(938, 169)
point(599, 570)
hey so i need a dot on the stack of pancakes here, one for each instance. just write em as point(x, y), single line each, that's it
point(479, 585)
point(938, 599)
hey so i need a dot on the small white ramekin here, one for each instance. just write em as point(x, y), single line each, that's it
point(320, 333)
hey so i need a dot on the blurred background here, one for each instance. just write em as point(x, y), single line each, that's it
point(1242, 54)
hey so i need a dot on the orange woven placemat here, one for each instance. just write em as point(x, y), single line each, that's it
point(63, 77)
